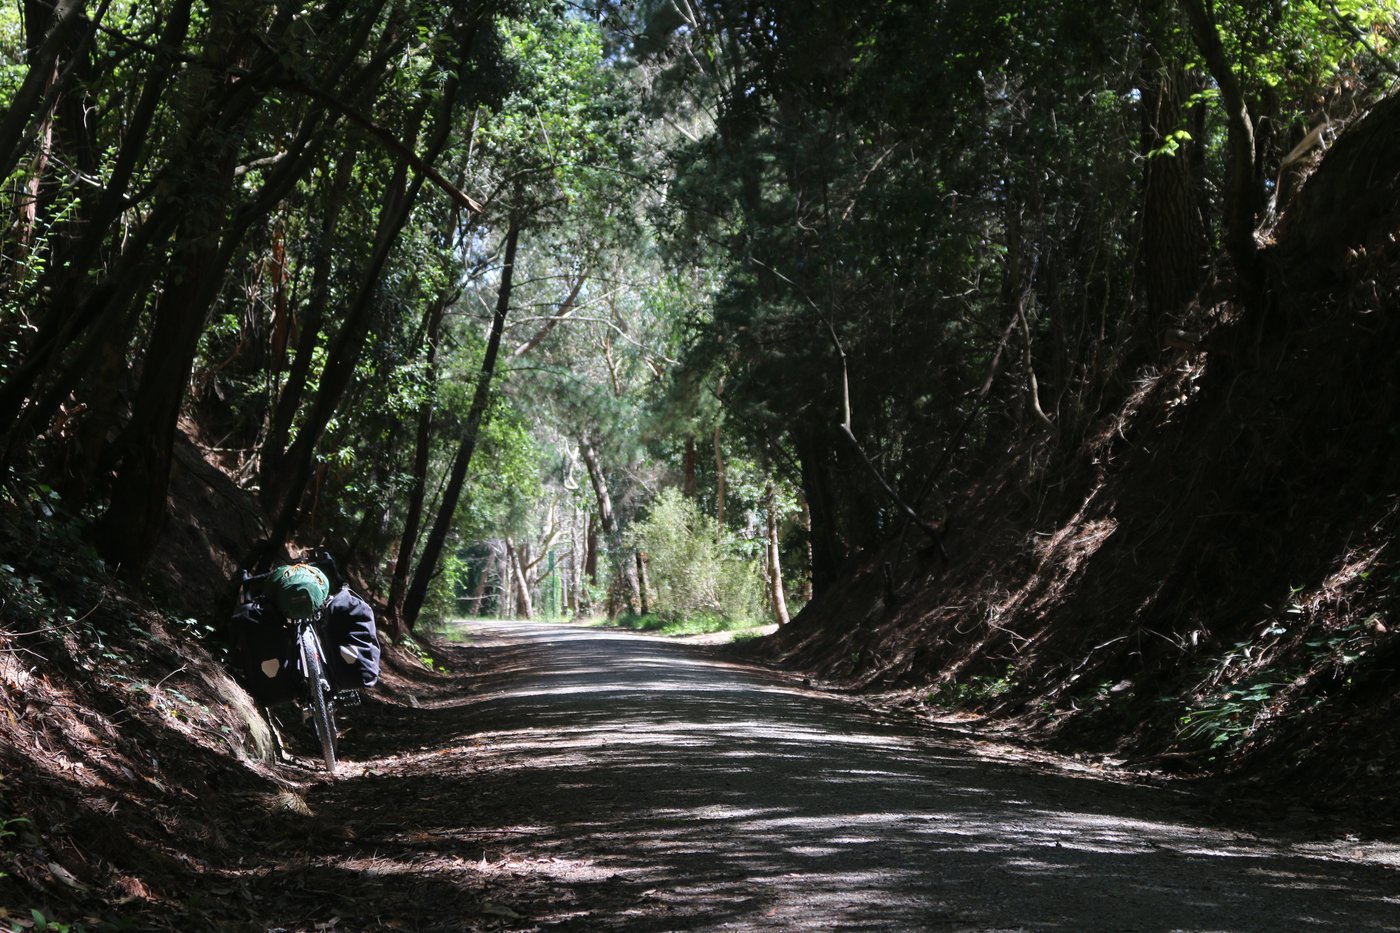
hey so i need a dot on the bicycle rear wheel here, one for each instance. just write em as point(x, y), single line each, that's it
point(318, 688)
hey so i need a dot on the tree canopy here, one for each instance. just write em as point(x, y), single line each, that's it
point(810, 262)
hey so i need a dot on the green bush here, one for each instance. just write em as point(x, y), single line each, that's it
point(691, 570)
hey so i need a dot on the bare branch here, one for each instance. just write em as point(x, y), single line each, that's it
point(566, 308)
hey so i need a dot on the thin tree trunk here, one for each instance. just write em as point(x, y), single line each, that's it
point(127, 532)
point(719, 479)
point(1026, 296)
point(290, 398)
point(828, 550)
point(350, 341)
point(67, 141)
point(46, 381)
point(776, 596)
point(479, 594)
point(98, 219)
point(807, 526)
point(294, 470)
point(418, 482)
point(688, 487)
point(1242, 187)
point(566, 308)
point(523, 607)
point(66, 19)
point(129, 529)
point(642, 585)
point(590, 552)
point(505, 604)
point(29, 197)
point(627, 569)
point(575, 547)
point(447, 511)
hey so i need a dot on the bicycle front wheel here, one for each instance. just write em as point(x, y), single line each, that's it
point(318, 689)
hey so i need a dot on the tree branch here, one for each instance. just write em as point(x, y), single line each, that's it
point(566, 308)
point(935, 535)
point(390, 143)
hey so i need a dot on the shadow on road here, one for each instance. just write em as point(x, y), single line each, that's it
point(606, 781)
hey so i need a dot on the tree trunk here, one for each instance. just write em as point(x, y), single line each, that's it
point(776, 597)
point(642, 585)
point(688, 487)
point(479, 594)
point(59, 24)
point(128, 531)
point(294, 470)
point(44, 378)
point(28, 212)
point(504, 606)
point(68, 278)
point(1173, 230)
point(828, 551)
point(447, 511)
point(350, 341)
point(626, 569)
point(418, 482)
point(807, 526)
point(566, 308)
point(523, 607)
point(576, 539)
point(67, 150)
point(719, 480)
point(1242, 187)
point(290, 398)
point(590, 550)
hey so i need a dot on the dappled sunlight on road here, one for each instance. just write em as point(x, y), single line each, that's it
point(722, 797)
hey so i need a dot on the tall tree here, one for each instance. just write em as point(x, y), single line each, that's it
point(427, 566)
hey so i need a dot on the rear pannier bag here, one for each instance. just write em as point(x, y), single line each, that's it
point(265, 651)
point(351, 641)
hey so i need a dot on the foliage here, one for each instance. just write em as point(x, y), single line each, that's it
point(9, 829)
point(441, 604)
point(421, 652)
point(691, 566)
point(1227, 716)
point(1250, 684)
point(700, 623)
point(975, 690)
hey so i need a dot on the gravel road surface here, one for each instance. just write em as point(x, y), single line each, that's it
point(608, 781)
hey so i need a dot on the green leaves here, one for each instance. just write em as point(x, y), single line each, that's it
point(692, 567)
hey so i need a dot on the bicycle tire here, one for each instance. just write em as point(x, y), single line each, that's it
point(318, 694)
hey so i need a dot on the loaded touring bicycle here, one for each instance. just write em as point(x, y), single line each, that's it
point(302, 637)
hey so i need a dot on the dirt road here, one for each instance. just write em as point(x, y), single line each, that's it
point(601, 781)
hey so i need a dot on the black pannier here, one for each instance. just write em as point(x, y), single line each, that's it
point(347, 629)
point(265, 651)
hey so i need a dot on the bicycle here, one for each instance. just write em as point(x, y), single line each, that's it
point(320, 694)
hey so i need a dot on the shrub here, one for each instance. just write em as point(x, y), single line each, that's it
point(690, 568)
